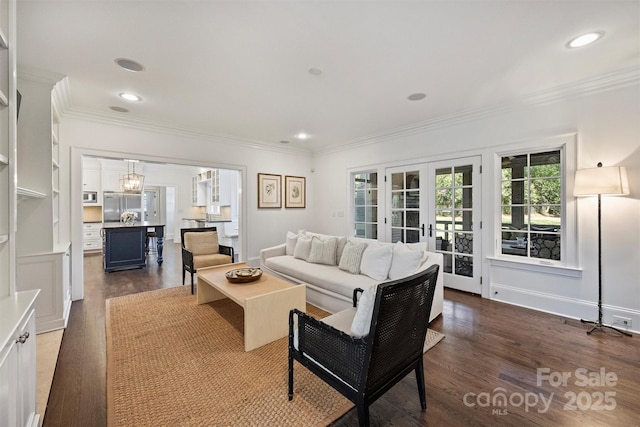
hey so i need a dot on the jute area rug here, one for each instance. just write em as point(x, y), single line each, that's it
point(171, 362)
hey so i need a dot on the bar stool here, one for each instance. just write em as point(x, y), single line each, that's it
point(151, 243)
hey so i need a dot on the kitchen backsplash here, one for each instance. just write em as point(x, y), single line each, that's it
point(92, 214)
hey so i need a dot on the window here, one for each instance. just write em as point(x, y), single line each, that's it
point(365, 189)
point(531, 205)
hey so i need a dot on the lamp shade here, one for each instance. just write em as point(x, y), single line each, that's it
point(611, 180)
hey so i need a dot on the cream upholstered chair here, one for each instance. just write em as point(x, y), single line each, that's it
point(200, 248)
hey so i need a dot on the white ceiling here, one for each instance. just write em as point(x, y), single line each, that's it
point(239, 69)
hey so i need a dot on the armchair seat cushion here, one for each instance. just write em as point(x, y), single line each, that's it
point(201, 261)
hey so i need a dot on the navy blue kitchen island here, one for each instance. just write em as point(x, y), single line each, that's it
point(125, 245)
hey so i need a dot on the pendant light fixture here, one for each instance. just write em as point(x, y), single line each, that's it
point(132, 182)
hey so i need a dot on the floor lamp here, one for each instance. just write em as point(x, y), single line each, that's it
point(601, 181)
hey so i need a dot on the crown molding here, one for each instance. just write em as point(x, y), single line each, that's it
point(27, 72)
point(602, 83)
point(135, 123)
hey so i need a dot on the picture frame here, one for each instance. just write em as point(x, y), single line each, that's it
point(269, 191)
point(295, 191)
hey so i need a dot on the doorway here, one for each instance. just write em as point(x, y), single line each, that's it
point(151, 205)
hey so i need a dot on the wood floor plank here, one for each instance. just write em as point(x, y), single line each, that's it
point(489, 346)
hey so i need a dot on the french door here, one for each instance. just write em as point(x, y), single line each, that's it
point(454, 220)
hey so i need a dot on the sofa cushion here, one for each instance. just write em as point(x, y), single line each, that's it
point(323, 251)
point(352, 257)
point(364, 312)
point(405, 261)
point(303, 247)
point(376, 261)
point(327, 277)
point(202, 242)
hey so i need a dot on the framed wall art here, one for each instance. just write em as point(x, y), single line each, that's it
point(269, 190)
point(295, 192)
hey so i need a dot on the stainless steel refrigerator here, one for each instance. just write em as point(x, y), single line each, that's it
point(113, 204)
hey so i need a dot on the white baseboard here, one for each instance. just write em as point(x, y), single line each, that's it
point(564, 306)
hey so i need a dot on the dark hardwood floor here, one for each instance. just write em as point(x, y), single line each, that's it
point(484, 373)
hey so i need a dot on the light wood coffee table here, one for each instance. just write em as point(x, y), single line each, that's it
point(266, 302)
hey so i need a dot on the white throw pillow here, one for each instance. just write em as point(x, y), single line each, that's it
point(352, 257)
point(405, 261)
point(292, 239)
point(323, 251)
point(364, 312)
point(376, 261)
point(342, 242)
point(303, 248)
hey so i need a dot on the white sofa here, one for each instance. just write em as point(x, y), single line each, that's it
point(330, 287)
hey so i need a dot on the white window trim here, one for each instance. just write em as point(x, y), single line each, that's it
point(566, 143)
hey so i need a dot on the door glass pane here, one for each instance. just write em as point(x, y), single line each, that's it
point(443, 198)
point(372, 197)
point(396, 235)
point(397, 218)
point(372, 231)
point(443, 240)
point(463, 221)
point(464, 266)
point(413, 180)
point(397, 181)
point(413, 236)
point(413, 219)
point(443, 177)
point(397, 200)
point(464, 243)
point(448, 263)
point(443, 219)
point(413, 199)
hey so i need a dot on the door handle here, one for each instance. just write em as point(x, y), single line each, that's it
point(430, 230)
point(422, 227)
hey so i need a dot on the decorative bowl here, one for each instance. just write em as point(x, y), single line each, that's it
point(243, 275)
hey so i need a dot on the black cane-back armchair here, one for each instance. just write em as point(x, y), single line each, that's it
point(363, 363)
point(200, 248)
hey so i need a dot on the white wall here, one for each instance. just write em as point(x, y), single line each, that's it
point(608, 130)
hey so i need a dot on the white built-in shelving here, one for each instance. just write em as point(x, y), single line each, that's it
point(17, 307)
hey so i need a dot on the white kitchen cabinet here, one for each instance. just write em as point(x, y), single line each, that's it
point(91, 239)
point(91, 179)
point(111, 178)
point(48, 272)
point(18, 360)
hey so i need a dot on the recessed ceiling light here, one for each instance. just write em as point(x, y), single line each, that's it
point(302, 136)
point(315, 71)
point(585, 39)
point(129, 64)
point(416, 96)
point(119, 109)
point(130, 97)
